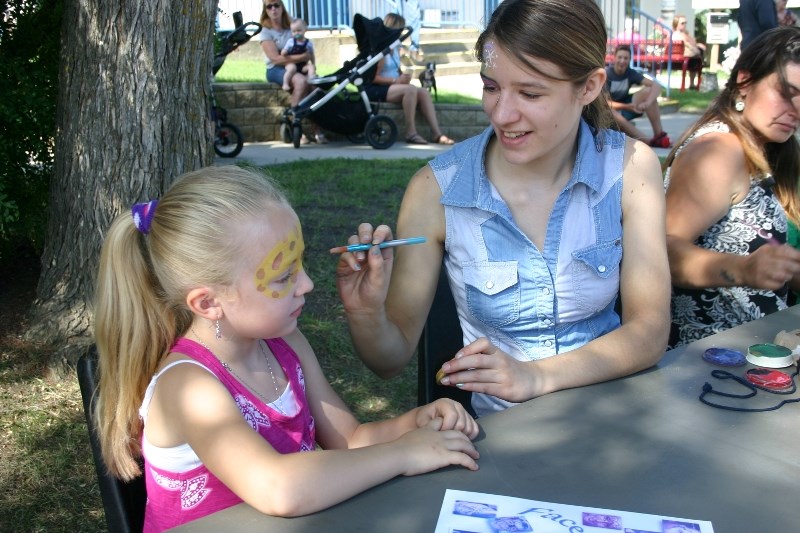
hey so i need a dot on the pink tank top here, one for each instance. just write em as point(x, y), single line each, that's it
point(176, 498)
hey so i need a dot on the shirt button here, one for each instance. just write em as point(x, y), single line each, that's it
point(545, 291)
point(548, 343)
point(601, 268)
point(489, 284)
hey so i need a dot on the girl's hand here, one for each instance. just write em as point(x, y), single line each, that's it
point(430, 448)
point(482, 367)
point(362, 278)
point(451, 413)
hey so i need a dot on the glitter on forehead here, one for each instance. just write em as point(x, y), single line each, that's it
point(285, 255)
point(489, 55)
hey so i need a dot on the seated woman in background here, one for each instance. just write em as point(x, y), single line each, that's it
point(391, 85)
point(275, 33)
point(731, 182)
point(691, 48)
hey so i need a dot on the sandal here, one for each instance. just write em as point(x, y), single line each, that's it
point(416, 138)
point(444, 139)
point(320, 138)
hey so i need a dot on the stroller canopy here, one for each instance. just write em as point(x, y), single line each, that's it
point(372, 36)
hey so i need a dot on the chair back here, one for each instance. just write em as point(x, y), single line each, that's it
point(441, 339)
point(123, 502)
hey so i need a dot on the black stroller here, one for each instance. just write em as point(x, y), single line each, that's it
point(228, 139)
point(335, 108)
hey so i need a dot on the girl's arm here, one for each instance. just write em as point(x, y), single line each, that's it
point(387, 300)
point(336, 426)
point(202, 413)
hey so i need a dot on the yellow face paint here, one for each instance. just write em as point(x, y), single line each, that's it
point(285, 259)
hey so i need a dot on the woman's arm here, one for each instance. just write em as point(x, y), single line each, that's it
point(388, 299)
point(276, 58)
point(707, 178)
point(644, 291)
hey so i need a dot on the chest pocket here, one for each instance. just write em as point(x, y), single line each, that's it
point(595, 274)
point(492, 291)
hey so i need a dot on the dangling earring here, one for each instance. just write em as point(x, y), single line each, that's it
point(217, 332)
point(739, 106)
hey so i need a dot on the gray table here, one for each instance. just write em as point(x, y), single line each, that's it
point(642, 443)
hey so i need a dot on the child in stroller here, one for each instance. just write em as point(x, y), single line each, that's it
point(335, 108)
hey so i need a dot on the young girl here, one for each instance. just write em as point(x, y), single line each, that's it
point(204, 372)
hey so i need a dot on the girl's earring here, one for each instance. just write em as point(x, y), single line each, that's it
point(739, 106)
point(217, 332)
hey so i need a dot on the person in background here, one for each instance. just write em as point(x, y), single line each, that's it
point(731, 187)
point(544, 223)
point(275, 33)
point(754, 18)
point(390, 84)
point(786, 17)
point(298, 44)
point(204, 373)
point(691, 48)
point(625, 107)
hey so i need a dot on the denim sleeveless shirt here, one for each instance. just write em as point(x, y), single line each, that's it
point(534, 303)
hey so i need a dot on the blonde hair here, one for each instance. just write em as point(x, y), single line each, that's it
point(142, 283)
point(582, 26)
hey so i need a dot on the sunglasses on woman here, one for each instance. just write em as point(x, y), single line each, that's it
point(272, 6)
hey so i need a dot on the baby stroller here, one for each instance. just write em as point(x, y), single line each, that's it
point(228, 139)
point(335, 108)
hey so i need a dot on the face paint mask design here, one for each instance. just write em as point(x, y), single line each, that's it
point(286, 256)
point(489, 55)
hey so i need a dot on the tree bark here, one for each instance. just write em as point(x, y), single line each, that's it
point(132, 116)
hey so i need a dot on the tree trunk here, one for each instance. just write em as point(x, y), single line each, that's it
point(132, 115)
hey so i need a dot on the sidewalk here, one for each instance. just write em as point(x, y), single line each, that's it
point(271, 153)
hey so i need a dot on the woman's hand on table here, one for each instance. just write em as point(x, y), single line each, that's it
point(482, 367)
point(452, 414)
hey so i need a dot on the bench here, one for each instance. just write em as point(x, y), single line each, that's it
point(656, 53)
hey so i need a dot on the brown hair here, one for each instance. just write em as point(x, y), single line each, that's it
point(542, 29)
point(768, 54)
point(394, 21)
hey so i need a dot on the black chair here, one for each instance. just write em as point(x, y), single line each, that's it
point(123, 502)
point(441, 339)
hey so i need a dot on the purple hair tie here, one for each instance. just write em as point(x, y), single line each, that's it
point(143, 215)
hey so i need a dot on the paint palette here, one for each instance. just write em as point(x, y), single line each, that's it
point(770, 355)
point(724, 357)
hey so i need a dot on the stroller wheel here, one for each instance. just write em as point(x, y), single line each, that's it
point(381, 132)
point(297, 133)
point(286, 133)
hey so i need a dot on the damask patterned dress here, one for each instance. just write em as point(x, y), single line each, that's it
point(757, 220)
